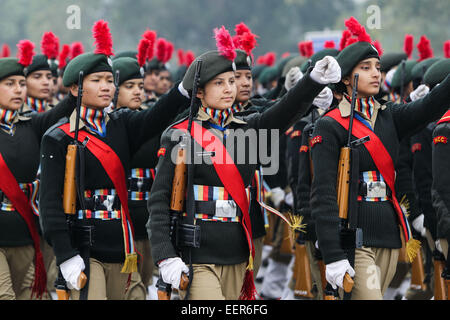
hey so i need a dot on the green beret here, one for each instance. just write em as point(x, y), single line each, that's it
point(126, 54)
point(88, 63)
point(129, 69)
point(213, 64)
point(407, 77)
point(256, 71)
point(437, 72)
point(391, 59)
point(40, 62)
point(243, 61)
point(350, 56)
point(420, 68)
point(294, 62)
point(318, 56)
point(280, 65)
point(269, 74)
point(10, 67)
point(154, 64)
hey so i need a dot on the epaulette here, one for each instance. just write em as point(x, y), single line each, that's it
point(54, 133)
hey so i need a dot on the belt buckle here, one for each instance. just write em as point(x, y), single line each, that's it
point(226, 209)
point(106, 201)
point(140, 184)
point(376, 189)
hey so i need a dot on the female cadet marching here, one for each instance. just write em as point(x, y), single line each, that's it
point(20, 139)
point(221, 261)
point(378, 212)
point(101, 229)
point(143, 163)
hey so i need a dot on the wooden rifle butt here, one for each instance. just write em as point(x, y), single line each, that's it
point(62, 294)
point(348, 283)
point(165, 292)
point(70, 189)
point(343, 182)
point(418, 273)
point(439, 282)
point(303, 283)
point(179, 183)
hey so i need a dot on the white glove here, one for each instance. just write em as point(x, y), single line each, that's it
point(289, 199)
point(183, 91)
point(171, 270)
point(324, 99)
point(277, 196)
point(417, 224)
point(71, 270)
point(438, 246)
point(335, 272)
point(316, 244)
point(388, 80)
point(326, 71)
point(419, 93)
point(292, 77)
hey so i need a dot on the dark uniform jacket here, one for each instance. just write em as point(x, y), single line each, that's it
point(21, 154)
point(126, 131)
point(441, 179)
point(222, 243)
point(378, 220)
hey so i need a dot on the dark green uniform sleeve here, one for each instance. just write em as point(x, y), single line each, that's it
point(43, 121)
point(441, 179)
point(324, 206)
point(158, 225)
point(412, 117)
point(53, 219)
point(146, 124)
point(423, 176)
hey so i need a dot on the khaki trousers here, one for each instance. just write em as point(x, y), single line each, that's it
point(144, 277)
point(15, 262)
point(374, 270)
point(216, 282)
point(258, 243)
point(106, 282)
point(315, 269)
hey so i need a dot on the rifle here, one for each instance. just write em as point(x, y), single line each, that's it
point(70, 193)
point(418, 273)
point(439, 282)
point(179, 187)
point(303, 282)
point(116, 84)
point(347, 191)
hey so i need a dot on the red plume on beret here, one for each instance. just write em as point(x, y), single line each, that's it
point(408, 45)
point(357, 30)
point(76, 49)
point(63, 55)
point(261, 60)
point(150, 35)
point(350, 41)
point(161, 49)
point(301, 48)
point(329, 44)
point(424, 47)
point(180, 55)
point(447, 49)
point(242, 28)
point(378, 46)
point(224, 43)
point(142, 51)
point(26, 52)
point(346, 34)
point(286, 54)
point(103, 38)
point(309, 49)
point(6, 51)
point(169, 51)
point(270, 59)
point(189, 58)
point(50, 45)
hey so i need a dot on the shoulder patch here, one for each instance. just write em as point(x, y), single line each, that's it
point(416, 147)
point(316, 140)
point(288, 132)
point(296, 133)
point(440, 139)
point(161, 152)
point(303, 149)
